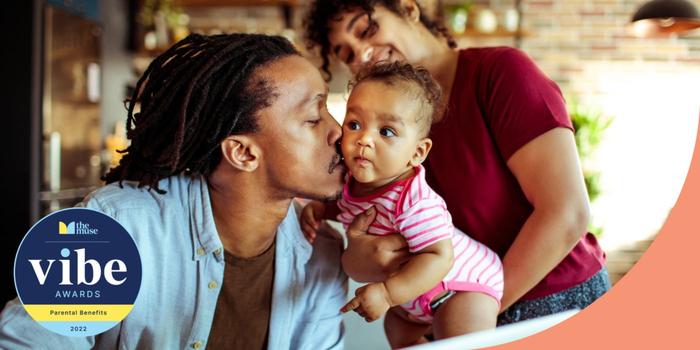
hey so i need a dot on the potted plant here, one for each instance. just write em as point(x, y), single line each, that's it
point(589, 126)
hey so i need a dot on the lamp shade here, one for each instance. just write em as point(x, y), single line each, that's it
point(658, 18)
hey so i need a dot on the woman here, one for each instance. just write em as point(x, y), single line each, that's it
point(504, 156)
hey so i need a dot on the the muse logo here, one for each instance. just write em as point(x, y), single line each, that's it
point(75, 228)
point(77, 282)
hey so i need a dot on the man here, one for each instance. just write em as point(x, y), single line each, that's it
point(229, 129)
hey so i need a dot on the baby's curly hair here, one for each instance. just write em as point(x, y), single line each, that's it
point(413, 79)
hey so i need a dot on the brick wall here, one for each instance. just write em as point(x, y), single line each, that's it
point(567, 37)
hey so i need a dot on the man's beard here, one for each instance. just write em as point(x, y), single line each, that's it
point(321, 197)
point(336, 162)
point(334, 197)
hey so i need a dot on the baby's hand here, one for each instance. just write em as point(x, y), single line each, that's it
point(371, 302)
point(311, 217)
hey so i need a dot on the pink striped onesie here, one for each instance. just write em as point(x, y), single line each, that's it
point(413, 209)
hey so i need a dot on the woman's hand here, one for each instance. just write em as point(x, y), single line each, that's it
point(370, 258)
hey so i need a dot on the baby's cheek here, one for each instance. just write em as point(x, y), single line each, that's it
point(345, 147)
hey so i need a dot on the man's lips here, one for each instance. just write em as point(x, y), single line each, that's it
point(335, 163)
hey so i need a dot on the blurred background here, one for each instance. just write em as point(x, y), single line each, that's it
point(633, 93)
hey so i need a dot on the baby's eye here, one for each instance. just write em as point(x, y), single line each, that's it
point(387, 132)
point(353, 125)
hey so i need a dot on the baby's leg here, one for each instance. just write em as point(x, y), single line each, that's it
point(463, 313)
point(401, 331)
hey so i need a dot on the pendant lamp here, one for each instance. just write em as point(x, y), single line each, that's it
point(659, 18)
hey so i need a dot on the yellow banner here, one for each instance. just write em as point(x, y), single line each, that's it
point(83, 313)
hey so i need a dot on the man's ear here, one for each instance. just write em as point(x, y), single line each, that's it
point(422, 150)
point(411, 10)
point(241, 152)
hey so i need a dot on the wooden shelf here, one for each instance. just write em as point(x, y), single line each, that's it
point(143, 52)
point(227, 3)
point(498, 33)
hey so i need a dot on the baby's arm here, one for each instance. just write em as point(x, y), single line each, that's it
point(313, 214)
point(423, 271)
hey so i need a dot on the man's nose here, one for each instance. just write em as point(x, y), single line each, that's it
point(334, 134)
point(338, 148)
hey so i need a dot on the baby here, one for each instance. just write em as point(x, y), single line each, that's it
point(385, 141)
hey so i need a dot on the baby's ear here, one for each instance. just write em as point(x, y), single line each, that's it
point(422, 150)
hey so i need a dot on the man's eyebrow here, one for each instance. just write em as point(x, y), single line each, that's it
point(315, 100)
point(319, 97)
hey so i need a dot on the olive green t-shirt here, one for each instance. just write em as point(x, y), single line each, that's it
point(243, 308)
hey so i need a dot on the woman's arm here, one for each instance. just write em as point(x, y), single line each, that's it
point(548, 171)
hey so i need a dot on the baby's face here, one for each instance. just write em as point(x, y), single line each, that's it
point(380, 133)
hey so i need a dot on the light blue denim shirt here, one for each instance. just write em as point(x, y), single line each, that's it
point(183, 269)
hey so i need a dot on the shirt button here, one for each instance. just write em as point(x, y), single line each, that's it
point(200, 251)
point(197, 344)
point(212, 284)
point(217, 251)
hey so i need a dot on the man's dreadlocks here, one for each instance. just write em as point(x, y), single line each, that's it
point(191, 97)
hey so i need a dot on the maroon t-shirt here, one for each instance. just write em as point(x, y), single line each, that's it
point(500, 101)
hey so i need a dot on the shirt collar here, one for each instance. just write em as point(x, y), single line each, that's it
point(206, 239)
point(290, 238)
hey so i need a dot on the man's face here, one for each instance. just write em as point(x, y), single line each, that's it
point(297, 135)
